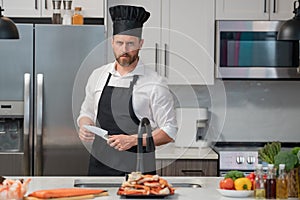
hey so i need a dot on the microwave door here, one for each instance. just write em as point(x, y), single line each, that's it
point(249, 50)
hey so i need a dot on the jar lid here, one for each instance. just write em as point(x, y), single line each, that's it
point(78, 8)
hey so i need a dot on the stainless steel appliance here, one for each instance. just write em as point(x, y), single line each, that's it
point(237, 156)
point(250, 49)
point(38, 135)
point(241, 156)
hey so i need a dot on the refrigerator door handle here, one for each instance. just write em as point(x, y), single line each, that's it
point(26, 123)
point(38, 142)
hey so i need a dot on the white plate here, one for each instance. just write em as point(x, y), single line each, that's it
point(235, 193)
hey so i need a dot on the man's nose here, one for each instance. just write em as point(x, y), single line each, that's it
point(125, 48)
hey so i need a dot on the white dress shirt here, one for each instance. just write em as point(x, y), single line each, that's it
point(151, 96)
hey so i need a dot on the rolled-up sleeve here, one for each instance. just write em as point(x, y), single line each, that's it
point(93, 92)
point(162, 106)
point(87, 107)
point(153, 99)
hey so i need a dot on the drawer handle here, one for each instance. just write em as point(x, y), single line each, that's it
point(189, 171)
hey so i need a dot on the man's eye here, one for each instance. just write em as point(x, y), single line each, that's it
point(119, 43)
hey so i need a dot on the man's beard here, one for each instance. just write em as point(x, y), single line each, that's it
point(128, 61)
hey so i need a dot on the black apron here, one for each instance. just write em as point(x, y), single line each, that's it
point(116, 115)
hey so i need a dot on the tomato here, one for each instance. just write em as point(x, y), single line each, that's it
point(227, 184)
point(251, 177)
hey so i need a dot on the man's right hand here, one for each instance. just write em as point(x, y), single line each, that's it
point(84, 134)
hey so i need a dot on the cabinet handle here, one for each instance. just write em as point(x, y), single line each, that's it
point(156, 57)
point(36, 4)
point(274, 6)
point(166, 57)
point(46, 4)
point(265, 6)
point(189, 171)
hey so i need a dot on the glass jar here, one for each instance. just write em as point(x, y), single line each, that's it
point(271, 183)
point(281, 183)
point(259, 183)
point(67, 17)
point(56, 17)
point(77, 18)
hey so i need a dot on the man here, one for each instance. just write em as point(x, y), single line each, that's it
point(119, 95)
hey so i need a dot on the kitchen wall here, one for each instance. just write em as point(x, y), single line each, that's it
point(247, 110)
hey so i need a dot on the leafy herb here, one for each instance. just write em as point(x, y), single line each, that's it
point(288, 158)
point(295, 150)
point(234, 174)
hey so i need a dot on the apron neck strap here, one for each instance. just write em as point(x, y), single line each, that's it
point(135, 78)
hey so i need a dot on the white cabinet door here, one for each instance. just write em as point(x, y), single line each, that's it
point(149, 53)
point(190, 45)
point(242, 9)
point(90, 8)
point(44, 8)
point(254, 9)
point(47, 8)
point(281, 9)
point(176, 44)
point(22, 8)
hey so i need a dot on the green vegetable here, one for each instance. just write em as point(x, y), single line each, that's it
point(234, 174)
point(295, 150)
point(269, 151)
point(288, 158)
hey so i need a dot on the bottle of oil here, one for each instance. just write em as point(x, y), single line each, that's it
point(281, 183)
point(259, 184)
point(271, 183)
point(77, 18)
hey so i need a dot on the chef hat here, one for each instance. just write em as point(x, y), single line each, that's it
point(128, 20)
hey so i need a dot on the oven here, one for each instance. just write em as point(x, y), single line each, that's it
point(242, 156)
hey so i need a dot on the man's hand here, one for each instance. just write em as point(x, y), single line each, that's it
point(122, 142)
point(84, 134)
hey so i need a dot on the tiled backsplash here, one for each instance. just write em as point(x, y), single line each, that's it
point(251, 110)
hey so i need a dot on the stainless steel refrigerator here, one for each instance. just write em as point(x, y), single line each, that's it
point(42, 80)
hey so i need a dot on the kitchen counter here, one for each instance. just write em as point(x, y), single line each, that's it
point(170, 151)
point(207, 191)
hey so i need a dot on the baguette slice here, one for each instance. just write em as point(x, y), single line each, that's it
point(62, 193)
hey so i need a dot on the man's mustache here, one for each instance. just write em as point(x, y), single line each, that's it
point(125, 54)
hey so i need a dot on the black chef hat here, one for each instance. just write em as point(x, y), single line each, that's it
point(128, 20)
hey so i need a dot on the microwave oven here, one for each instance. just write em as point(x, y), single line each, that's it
point(250, 49)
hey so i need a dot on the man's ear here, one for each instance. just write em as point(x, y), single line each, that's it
point(112, 40)
point(141, 43)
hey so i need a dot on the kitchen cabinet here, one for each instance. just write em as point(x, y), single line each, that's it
point(254, 9)
point(44, 8)
point(179, 39)
point(187, 167)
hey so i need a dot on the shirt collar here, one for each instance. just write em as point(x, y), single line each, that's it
point(139, 69)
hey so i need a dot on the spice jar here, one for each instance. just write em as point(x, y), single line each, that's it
point(67, 17)
point(77, 18)
point(56, 17)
